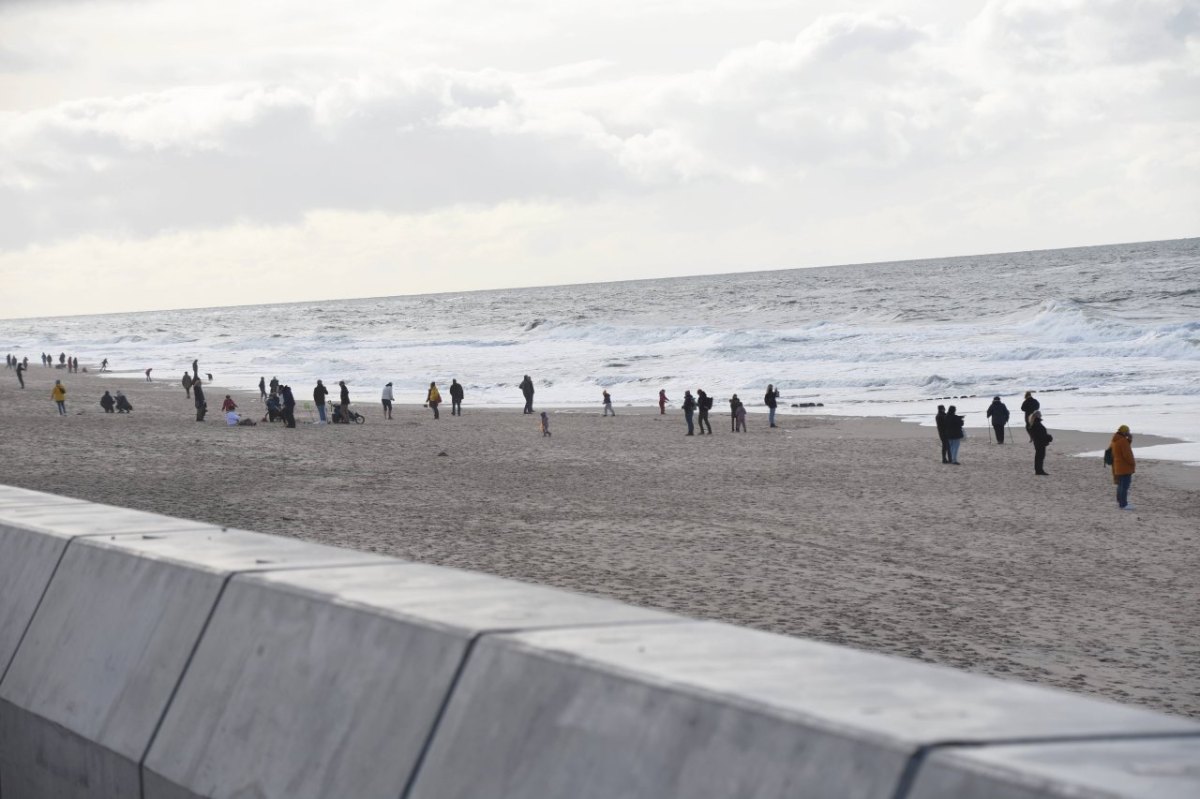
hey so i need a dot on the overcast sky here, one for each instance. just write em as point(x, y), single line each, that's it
point(163, 153)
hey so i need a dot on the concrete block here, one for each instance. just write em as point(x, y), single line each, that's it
point(118, 624)
point(1161, 768)
point(708, 710)
point(327, 682)
point(11, 496)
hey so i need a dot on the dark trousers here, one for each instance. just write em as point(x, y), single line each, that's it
point(435, 410)
point(529, 403)
point(1039, 458)
point(704, 421)
point(455, 407)
point(1123, 482)
point(289, 416)
point(999, 428)
point(688, 416)
point(945, 450)
point(201, 409)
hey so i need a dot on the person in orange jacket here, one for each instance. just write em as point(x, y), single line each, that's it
point(1123, 465)
point(59, 395)
point(433, 399)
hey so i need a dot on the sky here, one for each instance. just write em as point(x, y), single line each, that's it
point(166, 153)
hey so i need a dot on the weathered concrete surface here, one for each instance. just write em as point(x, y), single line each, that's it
point(709, 710)
point(114, 631)
point(333, 678)
point(11, 497)
point(1130, 769)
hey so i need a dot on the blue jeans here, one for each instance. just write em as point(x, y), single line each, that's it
point(62, 407)
point(954, 442)
point(321, 410)
point(691, 428)
point(1123, 482)
point(771, 417)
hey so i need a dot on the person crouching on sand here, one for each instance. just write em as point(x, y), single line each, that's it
point(1123, 465)
point(59, 395)
point(545, 425)
point(433, 399)
point(1041, 439)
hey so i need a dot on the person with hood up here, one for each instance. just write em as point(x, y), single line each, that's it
point(59, 395)
point(704, 403)
point(527, 390)
point(1028, 407)
point(433, 398)
point(198, 398)
point(772, 401)
point(289, 406)
point(998, 413)
point(319, 395)
point(940, 421)
point(689, 407)
point(123, 405)
point(345, 398)
point(387, 398)
point(456, 397)
point(1041, 439)
point(954, 433)
point(107, 403)
point(1123, 465)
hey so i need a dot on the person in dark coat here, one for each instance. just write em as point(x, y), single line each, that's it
point(527, 390)
point(198, 397)
point(107, 403)
point(1041, 439)
point(689, 407)
point(771, 400)
point(274, 407)
point(998, 413)
point(704, 403)
point(289, 406)
point(187, 384)
point(954, 432)
point(1028, 407)
point(123, 405)
point(456, 397)
point(940, 420)
point(262, 388)
point(319, 395)
point(345, 397)
point(21, 374)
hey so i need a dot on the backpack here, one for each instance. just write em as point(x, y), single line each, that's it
point(1108, 458)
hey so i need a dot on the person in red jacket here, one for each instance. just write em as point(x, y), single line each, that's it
point(228, 405)
point(1123, 465)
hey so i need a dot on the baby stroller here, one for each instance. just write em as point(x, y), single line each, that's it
point(337, 417)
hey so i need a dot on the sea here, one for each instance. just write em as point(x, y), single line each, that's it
point(1104, 336)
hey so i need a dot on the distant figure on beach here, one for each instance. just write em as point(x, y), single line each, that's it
point(274, 385)
point(1041, 439)
point(123, 405)
point(998, 413)
point(456, 397)
point(319, 395)
point(228, 405)
point(62, 359)
point(387, 401)
point(345, 397)
point(1028, 407)
point(739, 417)
point(186, 381)
point(433, 399)
point(198, 398)
point(195, 368)
point(148, 371)
point(1123, 465)
point(954, 433)
point(209, 376)
point(274, 407)
point(262, 388)
point(771, 400)
point(689, 407)
point(59, 395)
point(527, 390)
point(104, 365)
point(545, 425)
point(107, 402)
point(608, 408)
point(662, 401)
point(21, 374)
point(940, 421)
point(704, 404)
point(289, 406)
point(734, 404)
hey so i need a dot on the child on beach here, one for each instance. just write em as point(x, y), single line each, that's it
point(59, 395)
point(228, 405)
point(608, 408)
point(545, 425)
point(662, 401)
point(739, 416)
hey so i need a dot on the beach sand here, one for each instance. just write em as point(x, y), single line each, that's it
point(844, 530)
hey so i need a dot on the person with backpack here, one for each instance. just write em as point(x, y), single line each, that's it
point(1041, 439)
point(954, 433)
point(433, 399)
point(998, 413)
point(704, 403)
point(689, 407)
point(771, 400)
point(1123, 464)
point(456, 397)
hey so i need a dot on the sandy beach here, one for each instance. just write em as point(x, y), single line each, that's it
point(845, 530)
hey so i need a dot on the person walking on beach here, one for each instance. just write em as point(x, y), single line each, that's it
point(187, 384)
point(704, 403)
point(772, 401)
point(289, 406)
point(1028, 407)
point(527, 390)
point(107, 402)
point(662, 401)
point(739, 416)
point(21, 374)
point(198, 398)
point(734, 403)
point(148, 371)
point(345, 398)
point(228, 405)
point(433, 399)
point(456, 397)
point(689, 407)
point(387, 399)
point(998, 413)
point(608, 408)
point(940, 421)
point(1041, 439)
point(954, 433)
point(104, 365)
point(319, 395)
point(1123, 465)
point(262, 388)
point(59, 395)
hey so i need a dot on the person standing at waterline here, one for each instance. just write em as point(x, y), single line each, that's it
point(1123, 465)
point(456, 397)
point(771, 400)
point(608, 408)
point(954, 433)
point(59, 395)
point(662, 401)
point(940, 421)
point(387, 399)
point(319, 395)
point(1041, 439)
point(527, 390)
point(998, 413)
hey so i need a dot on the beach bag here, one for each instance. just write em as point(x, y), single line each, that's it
point(1108, 459)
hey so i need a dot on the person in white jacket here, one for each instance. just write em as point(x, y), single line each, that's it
point(387, 401)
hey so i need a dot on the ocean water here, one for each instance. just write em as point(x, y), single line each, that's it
point(1104, 336)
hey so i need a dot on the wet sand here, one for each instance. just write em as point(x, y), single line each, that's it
point(845, 530)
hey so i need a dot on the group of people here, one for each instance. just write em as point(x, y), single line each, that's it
point(118, 404)
point(697, 407)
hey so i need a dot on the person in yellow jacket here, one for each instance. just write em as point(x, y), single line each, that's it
point(59, 395)
point(433, 399)
point(1123, 465)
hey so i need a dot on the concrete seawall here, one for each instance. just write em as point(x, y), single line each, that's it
point(145, 656)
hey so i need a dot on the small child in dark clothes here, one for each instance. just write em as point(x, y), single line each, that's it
point(545, 424)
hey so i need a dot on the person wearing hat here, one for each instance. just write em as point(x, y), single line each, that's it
point(387, 401)
point(1028, 407)
point(998, 413)
point(1123, 465)
point(1041, 439)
